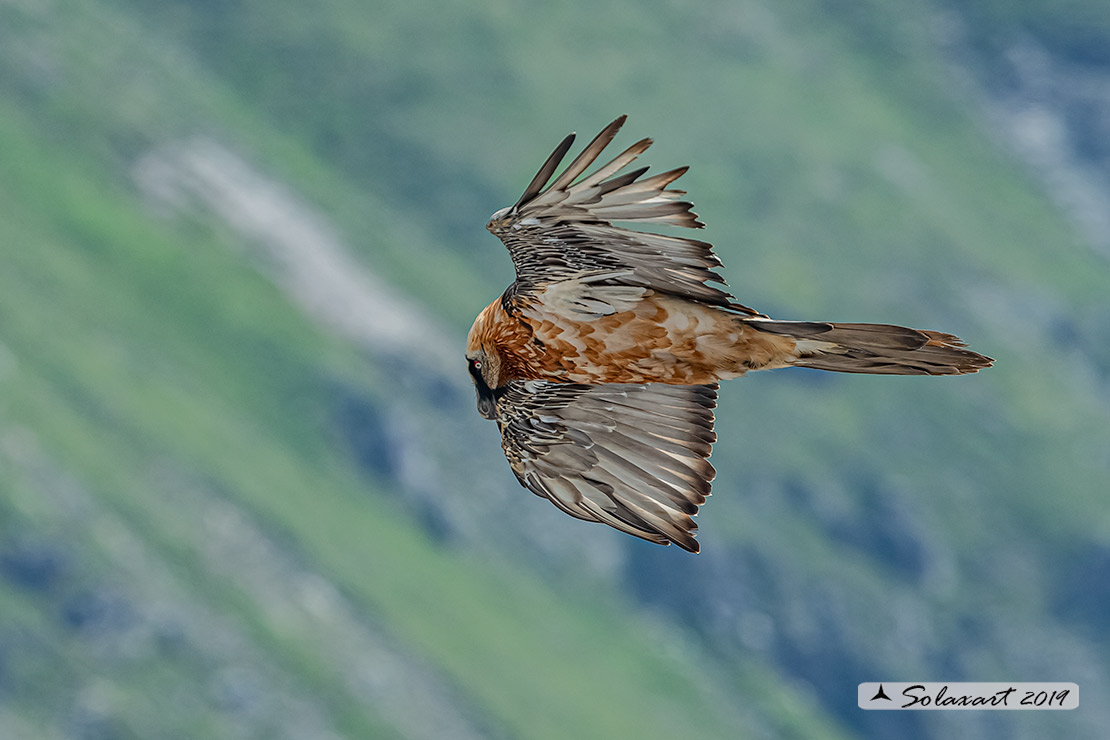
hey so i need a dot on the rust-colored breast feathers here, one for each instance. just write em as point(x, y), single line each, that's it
point(656, 339)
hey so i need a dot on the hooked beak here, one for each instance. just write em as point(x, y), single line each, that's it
point(487, 404)
point(487, 397)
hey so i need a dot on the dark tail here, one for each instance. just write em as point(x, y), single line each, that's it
point(875, 348)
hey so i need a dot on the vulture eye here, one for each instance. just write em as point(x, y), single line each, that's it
point(477, 364)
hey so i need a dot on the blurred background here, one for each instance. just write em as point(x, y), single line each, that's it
point(245, 493)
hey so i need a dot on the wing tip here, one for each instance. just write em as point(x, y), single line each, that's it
point(691, 546)
point(543, 176)
point(686, 540)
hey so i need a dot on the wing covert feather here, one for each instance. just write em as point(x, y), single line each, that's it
point(566, 230)
point(634, 457)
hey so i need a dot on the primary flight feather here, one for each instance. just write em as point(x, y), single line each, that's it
point(600, 363)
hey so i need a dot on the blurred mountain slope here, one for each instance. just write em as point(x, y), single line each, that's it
point(223, 486)
point(183, 515)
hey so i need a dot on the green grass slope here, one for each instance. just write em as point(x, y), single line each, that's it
point(157, 389)
point(142, 361)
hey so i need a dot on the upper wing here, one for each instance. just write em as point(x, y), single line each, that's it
point(631, 456)
point(565, 230)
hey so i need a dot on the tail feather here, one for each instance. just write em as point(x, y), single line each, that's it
point(880, 349)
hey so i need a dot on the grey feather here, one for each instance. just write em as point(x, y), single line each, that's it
point(588, 155)
point(630, 456)
point(565, 230)
point(876, 349)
